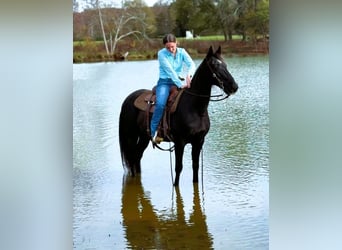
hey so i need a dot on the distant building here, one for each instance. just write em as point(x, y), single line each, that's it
point(189, 35)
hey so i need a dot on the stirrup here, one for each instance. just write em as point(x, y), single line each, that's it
point(157, 140)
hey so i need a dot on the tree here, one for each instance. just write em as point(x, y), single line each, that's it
point(227, 13)
point(181, 11)
point(95, 4)
point(102, 27)
point(163, 21)
point(130, 20)
point(256, 19)
point(116, 24)
point(144, 14)
point(239, 25)
point(75, 6)
point(202, 18)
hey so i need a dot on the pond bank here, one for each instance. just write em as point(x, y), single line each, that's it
point(91, 51)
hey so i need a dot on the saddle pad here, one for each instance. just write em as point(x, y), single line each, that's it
point(141, 101)
point(175, 103)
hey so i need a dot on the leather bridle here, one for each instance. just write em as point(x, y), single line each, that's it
point(220, 82)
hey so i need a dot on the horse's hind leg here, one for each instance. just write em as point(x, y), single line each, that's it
point(131, 154)
point(142, 144)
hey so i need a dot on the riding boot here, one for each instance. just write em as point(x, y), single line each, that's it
point(158, 139)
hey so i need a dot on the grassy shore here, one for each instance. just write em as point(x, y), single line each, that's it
point(94, 51)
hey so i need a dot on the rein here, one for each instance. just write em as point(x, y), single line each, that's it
point(210, 96)
point(170, 149)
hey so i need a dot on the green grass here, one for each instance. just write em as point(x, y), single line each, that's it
point(211, 38)
point(200, 38)
point(204, 38)
point(83, 42)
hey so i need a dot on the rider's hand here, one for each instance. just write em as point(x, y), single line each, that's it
point(188, 81)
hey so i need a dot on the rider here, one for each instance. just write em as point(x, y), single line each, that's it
point(171, 60)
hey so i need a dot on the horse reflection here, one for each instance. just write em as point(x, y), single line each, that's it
point(146, 228)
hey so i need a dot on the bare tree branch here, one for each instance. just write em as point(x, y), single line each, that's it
point(102, 28)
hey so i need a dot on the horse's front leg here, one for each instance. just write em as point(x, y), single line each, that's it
point(195, 153)
point(179, 151)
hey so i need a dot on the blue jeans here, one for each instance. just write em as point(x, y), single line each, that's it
point(162, 92)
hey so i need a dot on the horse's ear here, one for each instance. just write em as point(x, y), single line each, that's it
point(210, 51)
point(218, 51)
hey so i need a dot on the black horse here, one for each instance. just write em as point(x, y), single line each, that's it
point(188, 124)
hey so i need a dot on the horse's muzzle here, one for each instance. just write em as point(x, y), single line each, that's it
point(234, 88)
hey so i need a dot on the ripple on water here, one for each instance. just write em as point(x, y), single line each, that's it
point(230, 210)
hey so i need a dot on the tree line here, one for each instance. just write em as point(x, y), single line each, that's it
point(133, 18)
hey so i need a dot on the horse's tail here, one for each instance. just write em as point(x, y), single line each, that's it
point(129, 135)
point(123, 133)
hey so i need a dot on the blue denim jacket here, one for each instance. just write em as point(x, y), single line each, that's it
point(172, 66)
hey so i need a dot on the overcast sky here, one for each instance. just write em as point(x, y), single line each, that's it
point(115, 2)
point(150, 2)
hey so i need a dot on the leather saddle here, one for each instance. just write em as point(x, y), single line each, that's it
point(146, 102)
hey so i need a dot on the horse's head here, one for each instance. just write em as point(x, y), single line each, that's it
point(221, 76)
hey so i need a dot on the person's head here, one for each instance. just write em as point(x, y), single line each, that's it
point(170, 43)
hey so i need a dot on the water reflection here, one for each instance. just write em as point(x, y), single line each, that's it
point(112, 213)
point(147, 228)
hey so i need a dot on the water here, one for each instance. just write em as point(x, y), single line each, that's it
point(228, 209)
